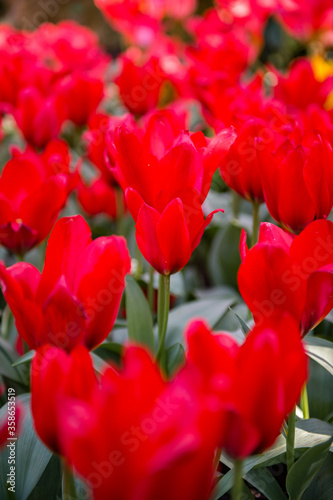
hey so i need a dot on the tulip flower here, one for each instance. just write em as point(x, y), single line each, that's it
point(98, 197)
point(239, 168)
point(166, 178)
point(82, 94)
point(39, 118)
point(56, 375)
point(100, 125)
point(282, 273)
point(158, 437)
point(75, 300)
point(307, 19)
point(242, 377)
point(291, 91)
point(140, 82)
point(31, 197)
point(298, 182)
point(55, 160)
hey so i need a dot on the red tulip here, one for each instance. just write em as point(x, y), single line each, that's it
point(82, 94)
point(55, 160)
point(75, 300)
point(158, 437)
point(56, 375)
point(140, 82)
point(298, 182)
point(307, 19)
point(99, 126)
point(138, 26)
point(166, 177)
point(70, 47)
point(39, 118)
point(31, 197)
point(270, 366)
point(285, 274)
point(98, 197)
point(239, 169)
point(292, 91)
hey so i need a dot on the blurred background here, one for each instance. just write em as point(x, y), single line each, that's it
point(28, 14)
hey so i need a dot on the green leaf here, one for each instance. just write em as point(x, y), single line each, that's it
point(321, 351)
point(50, 481)
point(245, 328)
point(32, 457)
point(99, 364)
point(175, 356)
point(264, 482)
point(224, 258)
point(308, 433)
point(8, 356)
point(139, 320)
point(320, 390)
point(322, 484)
point(210, 310)
point(26, 358)
point(305, 469)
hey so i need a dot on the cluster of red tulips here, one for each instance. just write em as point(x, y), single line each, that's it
point(141, 138)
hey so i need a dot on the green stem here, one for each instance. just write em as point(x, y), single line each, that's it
point(238, 480)
point(236, 201)
point(68, 483)
point(305, 402)
point(291, 439)
point(151, 289)
point(162, 315)
point(139, 260)
point(255, 223)
point(6, 323)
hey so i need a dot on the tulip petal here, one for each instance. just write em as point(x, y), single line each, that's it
point(294, 193)
point(313, 247)
point(268, 282)
point(319, 298)
point(173, 237)
point(146, 238)
point(19, 285)
point(99, 284)
point(196, 240)
point(273, 235)
point(134, 202)
point(68, 239)
point(65, 318)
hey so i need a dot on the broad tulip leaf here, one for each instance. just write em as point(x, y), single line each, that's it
point(245, 328)
point(99, 364)
point(320, 390)
point(322, 484)
point(49, 482)
point(224, 258)
point(264, 482)
point(321, 351)
point(309, 433)
point(26, 358)
point(211, 310)
point(32, 457)
point(7, 357)
point(305, 469)
point(175, 356)
point(139, 320)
